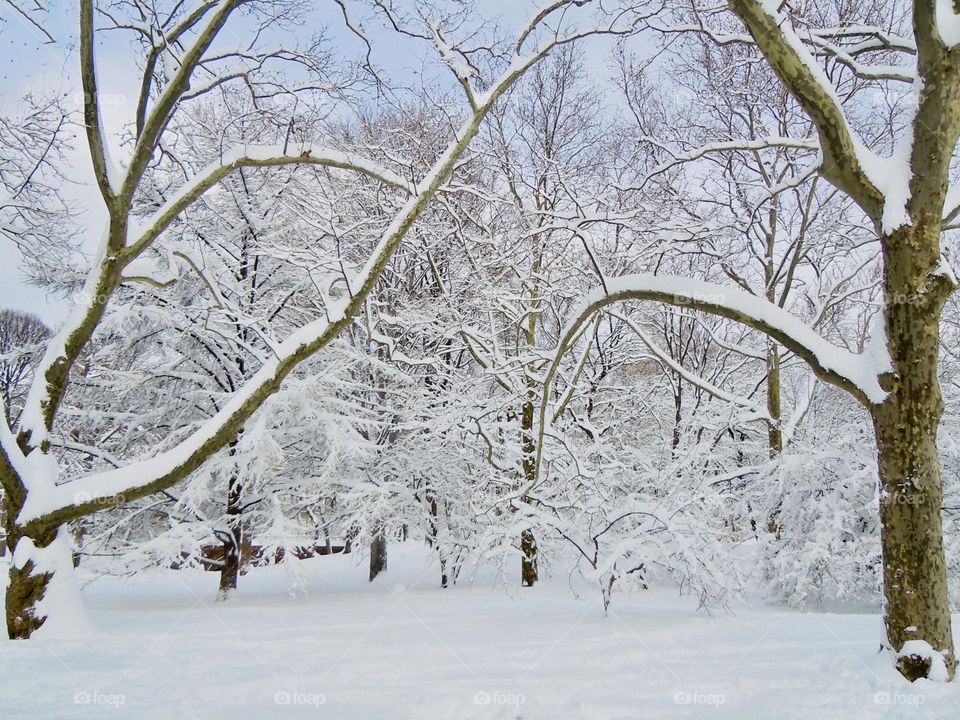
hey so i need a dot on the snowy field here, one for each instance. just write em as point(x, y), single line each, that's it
point(333, 646)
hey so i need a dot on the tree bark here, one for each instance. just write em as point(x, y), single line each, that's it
point(349, 539)
point(26, 588)
point(905, 424)
point(230, 571)
point(233, 542)
point(774, 430)
point(378, 554)
point(914, 567)
point(529, 567)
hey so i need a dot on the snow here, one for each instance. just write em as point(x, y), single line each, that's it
point(447, 53)
point(890, 175)
point(140, 474)
point(61, 603)
point(861, 370)
point(31, 420)
point(875, 352)
point(945, 270)
point(263, 155)
point(40, 471)
point(143, 472)
point(948, 23)
point(922, 649)
point(335, 646)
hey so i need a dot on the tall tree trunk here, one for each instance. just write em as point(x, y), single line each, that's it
point(774, 431)
point(433, 539)
point(905, 424)
point(529, 567)
point(230, 570)
point(378, 553)
point(914, 568)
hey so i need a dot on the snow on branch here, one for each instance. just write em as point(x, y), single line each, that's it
point(858, 374)
point(948, 22)
point(50, 505)
point(824, 43)
point(847, 163)
point(255, 156)
point(898, 73)
point(725, 147)
point(155, 119)
point(45, 393)
point(756, 412)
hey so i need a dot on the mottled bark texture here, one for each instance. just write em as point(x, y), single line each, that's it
point(26, 585)
point(25, 589)
point(914, 567)
point(916, 285)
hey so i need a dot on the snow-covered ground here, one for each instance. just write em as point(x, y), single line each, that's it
point(337, 647)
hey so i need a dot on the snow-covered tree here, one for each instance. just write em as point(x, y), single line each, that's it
point(184, 54)
point(901, 187)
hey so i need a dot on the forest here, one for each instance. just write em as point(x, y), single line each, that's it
point(606, 341)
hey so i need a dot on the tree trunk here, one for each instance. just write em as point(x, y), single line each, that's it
point(529, 567)
point(230, 570)
point(27, 587)
point(349, 539)
point(433, 539)
point(233, 541)
point(528, 561)
point(41, 567)
point(444, 580)
point(677, 414)
point(774, 431)
point(905, 424)
point(914, 568)
point(378, 554)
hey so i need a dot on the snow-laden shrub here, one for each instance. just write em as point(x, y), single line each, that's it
point(825, 507)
